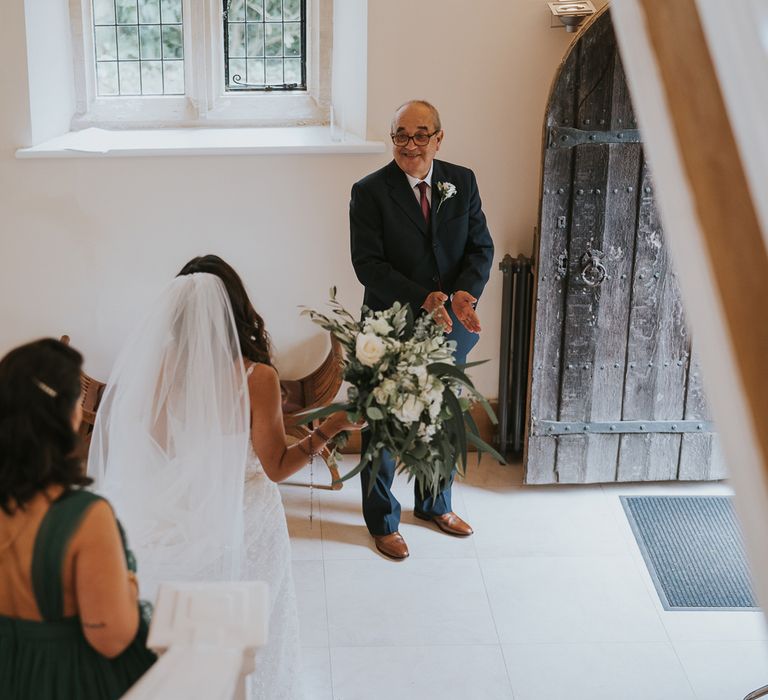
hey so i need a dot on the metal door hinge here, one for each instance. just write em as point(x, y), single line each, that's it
point(552, 427)
point(568, 137)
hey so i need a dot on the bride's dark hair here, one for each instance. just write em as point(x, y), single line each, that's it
point(254, 339)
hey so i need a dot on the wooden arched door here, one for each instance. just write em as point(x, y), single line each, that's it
point(615, 389)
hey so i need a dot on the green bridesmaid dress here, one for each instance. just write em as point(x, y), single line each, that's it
point(51, 659)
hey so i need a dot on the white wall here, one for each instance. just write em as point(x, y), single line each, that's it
point(85, 244)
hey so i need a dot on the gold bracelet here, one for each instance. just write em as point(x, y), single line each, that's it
point(132, 578)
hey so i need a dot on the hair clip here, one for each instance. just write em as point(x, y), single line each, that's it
point(46, 389)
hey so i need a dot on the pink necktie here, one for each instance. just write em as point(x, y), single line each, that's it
point(423, 200)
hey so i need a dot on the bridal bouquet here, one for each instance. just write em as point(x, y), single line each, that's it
point(405, 384)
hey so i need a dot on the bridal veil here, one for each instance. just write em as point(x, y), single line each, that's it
point(170, 443)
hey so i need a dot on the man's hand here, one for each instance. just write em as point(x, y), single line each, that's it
point(463, 307)
point(435, 301)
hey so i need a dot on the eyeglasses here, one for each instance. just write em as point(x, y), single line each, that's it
point(419, 138)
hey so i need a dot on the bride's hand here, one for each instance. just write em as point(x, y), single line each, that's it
point(339, 422)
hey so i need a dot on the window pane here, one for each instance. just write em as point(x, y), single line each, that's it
point(126, 11)
point(237, 71)
point(256, 71)
point(130, 80)
point(273, 34)
point(143, 34)
point(173, 46)
point(292, 39)
point(293, 70)
point(149, 11)
point(106, 78)
point(106, 43)
point(274, 69)
point(254, 11)
point(291, 9)
point(127, 44)
point(150, 42)
point(151, 77)
point(173, 72)
point(255, 39)
point(270, 41)
point(274, 9)
point(236, 12)
point(237, 40)
point(103, 11)
point(170, 11)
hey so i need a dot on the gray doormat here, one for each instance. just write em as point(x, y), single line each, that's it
point(693, 549)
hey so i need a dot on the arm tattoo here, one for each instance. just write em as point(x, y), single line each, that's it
point(94, 625)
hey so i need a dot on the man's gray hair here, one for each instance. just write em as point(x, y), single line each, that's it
point(423, 103)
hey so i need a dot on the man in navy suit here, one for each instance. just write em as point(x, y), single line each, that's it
point(419, 236)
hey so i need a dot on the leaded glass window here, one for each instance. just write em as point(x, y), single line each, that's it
point(139, 46)
point(265, 45)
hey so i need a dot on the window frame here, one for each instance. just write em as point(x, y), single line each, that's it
point(299, 87)
point(205, 102)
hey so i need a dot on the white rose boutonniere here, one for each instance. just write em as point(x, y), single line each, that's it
point(446, 190)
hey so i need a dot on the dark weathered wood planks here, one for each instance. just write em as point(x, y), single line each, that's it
point(657, 351)
point(552, 247)
point(700, 455)
point(615, 349)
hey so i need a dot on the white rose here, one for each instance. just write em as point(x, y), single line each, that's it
point(432, 391)
point(420, 372)
point(433, 344)
point(369, 349)
point(386, 390)
point(379, 326)
point(426, 432)
point(409, 410)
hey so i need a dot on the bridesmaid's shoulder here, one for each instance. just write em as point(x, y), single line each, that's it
point(98, 524)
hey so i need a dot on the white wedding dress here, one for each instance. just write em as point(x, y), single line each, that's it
point(171, 450)
point(268, 558)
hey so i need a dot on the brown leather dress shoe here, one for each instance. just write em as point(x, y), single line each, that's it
point(449, 523)
point(392, 545)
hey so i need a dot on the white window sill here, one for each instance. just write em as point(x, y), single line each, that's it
point(199, 142)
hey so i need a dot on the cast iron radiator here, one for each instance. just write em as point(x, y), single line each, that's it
point(515, 343)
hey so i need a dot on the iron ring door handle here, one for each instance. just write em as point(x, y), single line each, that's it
point(593, 271)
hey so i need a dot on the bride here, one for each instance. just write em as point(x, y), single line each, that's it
point(189, 444)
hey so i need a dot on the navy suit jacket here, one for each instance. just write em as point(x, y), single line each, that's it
point(397, 257)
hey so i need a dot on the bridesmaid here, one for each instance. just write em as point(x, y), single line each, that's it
point(70, 623)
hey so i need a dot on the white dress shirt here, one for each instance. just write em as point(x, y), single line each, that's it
point(413, 182)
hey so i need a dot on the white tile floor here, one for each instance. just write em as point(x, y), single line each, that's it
point(550, 599)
